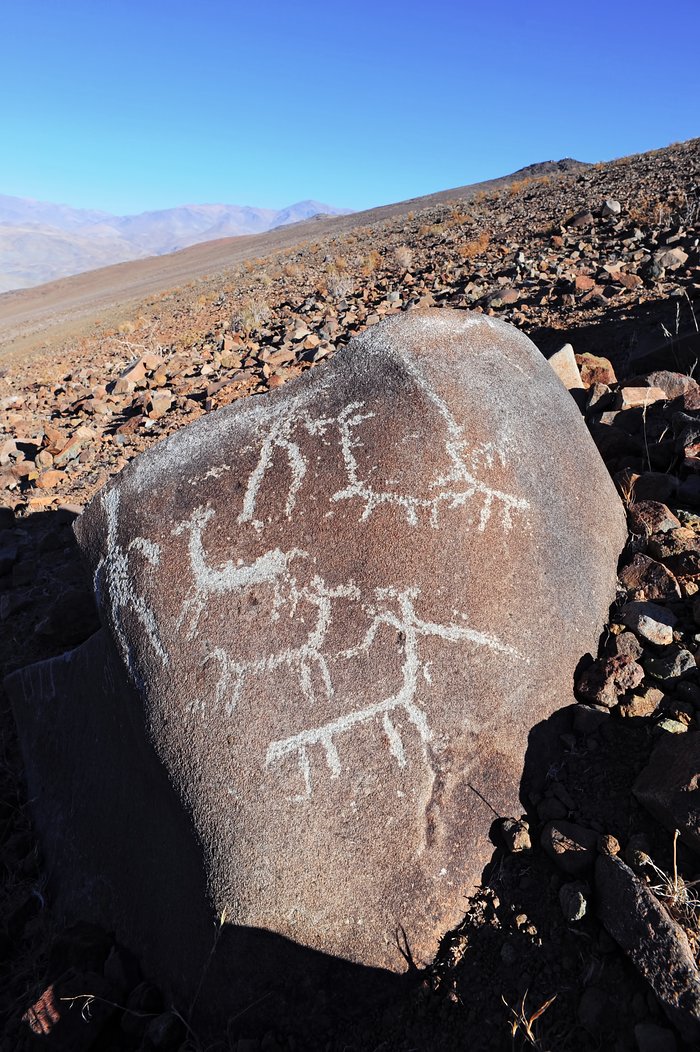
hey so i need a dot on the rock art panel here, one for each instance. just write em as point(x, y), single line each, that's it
point(343, 606)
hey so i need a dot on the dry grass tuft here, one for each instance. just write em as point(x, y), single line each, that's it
point(524, 1025)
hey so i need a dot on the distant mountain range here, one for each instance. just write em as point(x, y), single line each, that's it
point(40, 241)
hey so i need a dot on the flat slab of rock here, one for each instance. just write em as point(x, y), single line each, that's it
point(342, 608)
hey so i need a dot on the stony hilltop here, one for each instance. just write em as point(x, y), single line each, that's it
point(585, 932)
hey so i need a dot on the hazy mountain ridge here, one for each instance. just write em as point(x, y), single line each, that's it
point(41, 241)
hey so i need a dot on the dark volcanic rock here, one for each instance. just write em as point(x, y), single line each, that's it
point(341, 607)
point(654, 942)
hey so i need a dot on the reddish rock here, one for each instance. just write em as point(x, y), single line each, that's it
point(650, 516)
point(595, 370)
point(629, 281)
point(342, 607)
point(159, 402)
point(608, 678)
point(50, 479)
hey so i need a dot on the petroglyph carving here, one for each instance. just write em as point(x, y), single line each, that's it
point(271, 569)
point(113, 579)
point(309, 661)
point(395, 609)
point(457, 488)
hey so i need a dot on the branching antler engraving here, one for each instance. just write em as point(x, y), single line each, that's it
point(395, 609)
point(458, 487)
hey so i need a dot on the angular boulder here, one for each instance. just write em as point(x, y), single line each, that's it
point(335, 613)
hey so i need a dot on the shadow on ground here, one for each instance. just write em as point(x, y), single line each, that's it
point(657, 334)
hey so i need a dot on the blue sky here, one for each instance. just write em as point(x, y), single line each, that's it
point(129, 105)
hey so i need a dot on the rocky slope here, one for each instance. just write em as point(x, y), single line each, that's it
point(554, 951)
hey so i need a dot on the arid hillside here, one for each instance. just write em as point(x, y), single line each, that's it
point(74, 306)
point(545, 252)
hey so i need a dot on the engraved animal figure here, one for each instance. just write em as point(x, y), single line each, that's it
point(457, 488)
point(113, 583)
point(396, 609)
point(272, 569)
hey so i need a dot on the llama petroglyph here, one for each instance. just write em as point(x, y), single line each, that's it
point(453, 490)
point(269, 568)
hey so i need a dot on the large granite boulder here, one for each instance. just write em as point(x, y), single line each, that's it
point(333, 614)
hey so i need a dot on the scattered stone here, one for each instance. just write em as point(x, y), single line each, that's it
point(611, 207)
point(650, 621)
point(626, 643)
point(654, 942)
point(668, 259)
point(516, 835)
point(608, 844)
point(671, 666)
point(595, 370)
point(635, 397)
point(580, 219)
point(571, 846)
point(650, 516)
point(608, 678)
point(573, 901)
point(564, 365)
point(647, 579)
point(644, 704)
point(677, 385)
point(671, 726)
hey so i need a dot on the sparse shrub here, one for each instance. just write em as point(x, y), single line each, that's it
point(251, 316)
point(370, 262)
point(458, 217)
point(519, 185)
point(403, 256)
